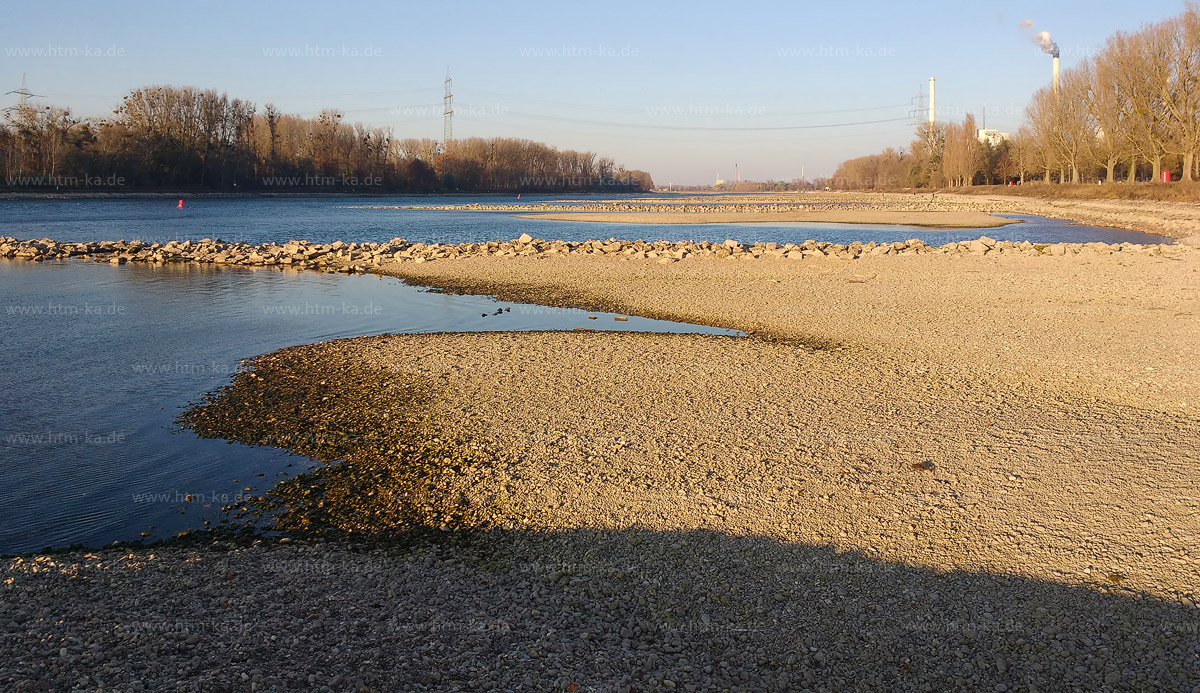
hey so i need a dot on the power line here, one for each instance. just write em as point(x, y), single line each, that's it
point(645, 111)
point(643, 126)
point(399, 110)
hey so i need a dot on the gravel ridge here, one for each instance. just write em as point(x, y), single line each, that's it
point(972, 469)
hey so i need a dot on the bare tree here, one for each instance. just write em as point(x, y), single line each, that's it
point(1179, 88)
point(1073, 133)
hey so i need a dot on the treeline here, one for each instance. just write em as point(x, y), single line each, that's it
point(769, 185)
point(178, 138)
point(1128, 113)
point(942, 155)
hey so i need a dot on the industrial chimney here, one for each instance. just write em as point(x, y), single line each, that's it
point(1048, 46)
point(931, 109)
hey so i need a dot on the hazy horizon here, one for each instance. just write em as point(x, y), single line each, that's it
point(682, 91)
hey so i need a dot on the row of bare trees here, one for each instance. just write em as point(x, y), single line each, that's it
point(948, 155)
point(1136, 102)
point(888, 169)
point(184, 138)
point(1130, 111)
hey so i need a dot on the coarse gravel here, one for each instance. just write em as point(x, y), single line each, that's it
point(968, 471)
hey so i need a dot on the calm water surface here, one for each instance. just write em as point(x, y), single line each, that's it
point(102, 359)
point(322, 220)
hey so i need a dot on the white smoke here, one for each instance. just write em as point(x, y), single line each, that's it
point(1041, 38)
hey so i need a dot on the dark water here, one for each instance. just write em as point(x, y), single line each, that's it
point(322, 220)
point(101, 359)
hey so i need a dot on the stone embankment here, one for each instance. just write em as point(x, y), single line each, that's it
point(362, 257)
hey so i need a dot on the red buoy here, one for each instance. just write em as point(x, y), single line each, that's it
point(180, 204)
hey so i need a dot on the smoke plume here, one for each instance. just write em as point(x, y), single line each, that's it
point(1041, 38)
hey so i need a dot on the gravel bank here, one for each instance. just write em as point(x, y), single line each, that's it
point(933, 470)
point(584, 610)
point(758, 518)
point(840, 215)
point(340, 256)
point(1179, 220)
point(1110, 323)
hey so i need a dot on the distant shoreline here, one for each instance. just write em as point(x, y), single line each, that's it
point(1178, 220)
point(186, 194)
point(932, 219)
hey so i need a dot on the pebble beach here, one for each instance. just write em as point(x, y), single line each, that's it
point(969, 466)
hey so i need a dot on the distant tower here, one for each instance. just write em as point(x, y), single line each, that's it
point(931, 98)
point(23, 95)
point(448, 113)
point(737, 177)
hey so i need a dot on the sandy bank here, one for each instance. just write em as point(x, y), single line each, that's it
point(710, 512)
point(1119, 325)
point(1180, 220)
point(982, 475)
point(933, 219)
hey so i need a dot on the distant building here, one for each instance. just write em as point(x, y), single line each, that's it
point(993, 137)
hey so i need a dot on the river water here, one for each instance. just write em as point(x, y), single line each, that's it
point(326, 219)
point(101, 359)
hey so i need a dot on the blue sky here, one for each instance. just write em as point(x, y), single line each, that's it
point(684, 90)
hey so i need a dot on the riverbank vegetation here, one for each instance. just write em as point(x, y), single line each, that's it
point(1131, 112)
point(184, 138)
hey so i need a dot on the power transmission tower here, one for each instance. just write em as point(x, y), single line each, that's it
point(448, 124)
point(917, 108)
point(448, 113)
point(23, 96)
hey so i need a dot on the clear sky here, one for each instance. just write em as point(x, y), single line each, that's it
point(684, 90)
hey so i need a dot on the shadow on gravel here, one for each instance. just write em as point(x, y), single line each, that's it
point(633, 609)
point(667, 605)
point(586, 610)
